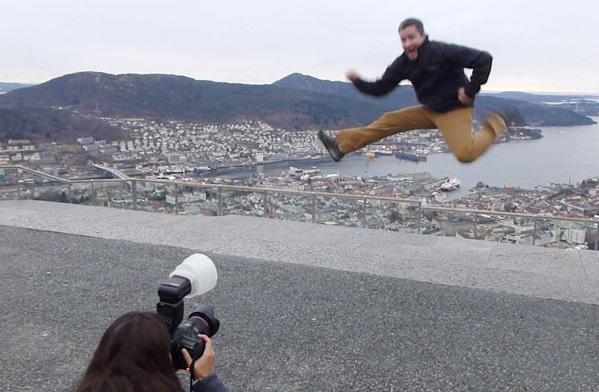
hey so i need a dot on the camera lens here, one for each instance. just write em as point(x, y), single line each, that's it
point(186, 337)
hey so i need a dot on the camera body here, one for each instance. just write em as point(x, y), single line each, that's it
point(195, 276)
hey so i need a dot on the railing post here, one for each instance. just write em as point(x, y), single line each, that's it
point(176, 198)
point(134, 193)
point(265, 203)
point(314, 208)
point(220, 201)
point(364, 212)
point(419, 217)
point(69, 194)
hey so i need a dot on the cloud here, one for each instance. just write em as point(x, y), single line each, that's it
point(535, 43)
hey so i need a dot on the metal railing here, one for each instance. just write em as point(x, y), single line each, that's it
point(137, 188)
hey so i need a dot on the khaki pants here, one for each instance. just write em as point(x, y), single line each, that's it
point(456, 127)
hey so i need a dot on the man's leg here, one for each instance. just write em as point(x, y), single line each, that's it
point(456, 127)
point(416, 117)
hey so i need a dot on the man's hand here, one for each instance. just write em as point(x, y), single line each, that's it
point(463, 97)
point(204, 366)
point(352, 76)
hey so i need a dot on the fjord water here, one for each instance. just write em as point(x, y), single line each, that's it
point(563, 155)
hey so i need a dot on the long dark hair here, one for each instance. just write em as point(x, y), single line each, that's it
point(133, 356)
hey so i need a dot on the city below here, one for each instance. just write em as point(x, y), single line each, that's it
point(209, 156)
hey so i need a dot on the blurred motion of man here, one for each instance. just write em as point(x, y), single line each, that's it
point(436, 70)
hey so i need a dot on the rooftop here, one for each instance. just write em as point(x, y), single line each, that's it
point(302, 306)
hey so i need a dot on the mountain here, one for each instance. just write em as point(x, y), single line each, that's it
point(42, 124)
point(533, 113)
point(178, 97)
point(587, 105)
point(6, 87)
point(530, 105)
point(542, 98)
point(296, 102)
point(400, 97)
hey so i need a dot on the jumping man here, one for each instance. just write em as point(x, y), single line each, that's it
point(436, 70)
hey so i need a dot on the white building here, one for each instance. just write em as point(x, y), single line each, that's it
point(85, 140)
point(574, 236)
point(170, 200)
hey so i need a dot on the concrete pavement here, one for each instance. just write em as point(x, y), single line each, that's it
point(303, 307)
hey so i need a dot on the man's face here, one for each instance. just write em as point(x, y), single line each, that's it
point(411, 39)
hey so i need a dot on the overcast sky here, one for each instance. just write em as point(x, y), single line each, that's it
point(537, 45)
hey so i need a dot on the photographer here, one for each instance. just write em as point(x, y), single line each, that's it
point(134, 355)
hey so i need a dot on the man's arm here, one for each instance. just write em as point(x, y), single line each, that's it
point(382, 86)
point(478, 60)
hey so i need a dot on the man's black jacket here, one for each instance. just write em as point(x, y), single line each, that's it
point(436, 74)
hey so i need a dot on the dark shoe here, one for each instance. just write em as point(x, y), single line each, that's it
point(331, 145)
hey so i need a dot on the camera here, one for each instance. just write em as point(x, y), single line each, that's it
point(196, 275)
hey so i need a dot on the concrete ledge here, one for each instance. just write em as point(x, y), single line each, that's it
point(569, 275)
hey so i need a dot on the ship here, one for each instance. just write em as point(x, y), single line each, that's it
point(525, 133)
point(450, 185)
point(383, 152)
point(407, 156)
point(296, 172)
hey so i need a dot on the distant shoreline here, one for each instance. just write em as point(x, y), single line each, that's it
point(239, 168)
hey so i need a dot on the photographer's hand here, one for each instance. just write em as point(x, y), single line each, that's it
point(204, 366)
